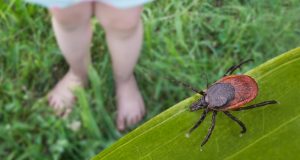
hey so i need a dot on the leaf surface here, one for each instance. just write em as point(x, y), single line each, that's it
point(273, 132)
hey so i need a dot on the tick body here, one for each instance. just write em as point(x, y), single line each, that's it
point(230, 93)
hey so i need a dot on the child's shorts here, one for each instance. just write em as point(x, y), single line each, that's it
point(122, 4)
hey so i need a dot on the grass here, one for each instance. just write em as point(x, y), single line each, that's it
point(183, 40)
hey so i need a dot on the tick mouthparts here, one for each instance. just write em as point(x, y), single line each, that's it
point(195, 107)
point(192, 109)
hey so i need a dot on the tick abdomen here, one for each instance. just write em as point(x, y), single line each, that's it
point(219, 94)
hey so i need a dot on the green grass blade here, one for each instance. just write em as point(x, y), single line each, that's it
point(96, 86)
point(86, 115)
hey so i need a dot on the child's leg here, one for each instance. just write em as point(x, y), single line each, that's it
point(73, 34)
point(124, 34)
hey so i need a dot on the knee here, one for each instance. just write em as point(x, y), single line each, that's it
point(120, 23)
point(71, 19)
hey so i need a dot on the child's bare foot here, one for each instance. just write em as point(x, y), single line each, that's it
point(61, 98)
point(131, 108)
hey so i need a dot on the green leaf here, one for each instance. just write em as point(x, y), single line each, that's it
point(273, 131)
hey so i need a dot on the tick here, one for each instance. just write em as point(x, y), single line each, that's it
point(229, 93)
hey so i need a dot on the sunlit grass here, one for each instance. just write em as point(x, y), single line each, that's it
point(183, 40)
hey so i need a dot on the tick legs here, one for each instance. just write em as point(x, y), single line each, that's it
point(236, 120)
point(213, 122)
point(199, 121)
point(233, 68)
point(256, 105)
point(187, 86)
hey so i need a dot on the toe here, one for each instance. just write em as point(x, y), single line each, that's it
point(130, 121)
point(138, 118)
point(53, 103)
point(135, 120)
point(143, 112)
point(50, 101)
point(121, 123)
point(58, 107)
point(66, 112)
point(142, 109)
point(58, 110)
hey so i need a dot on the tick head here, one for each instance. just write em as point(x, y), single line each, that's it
point(200, 104)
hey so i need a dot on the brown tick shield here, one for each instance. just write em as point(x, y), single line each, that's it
point(245, 90)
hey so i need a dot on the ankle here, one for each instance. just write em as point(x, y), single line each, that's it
point(78, 76)
point(123, 82)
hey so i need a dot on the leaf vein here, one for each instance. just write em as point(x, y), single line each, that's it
point(263, 137)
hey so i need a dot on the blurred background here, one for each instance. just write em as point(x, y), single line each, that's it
point(182, 39)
